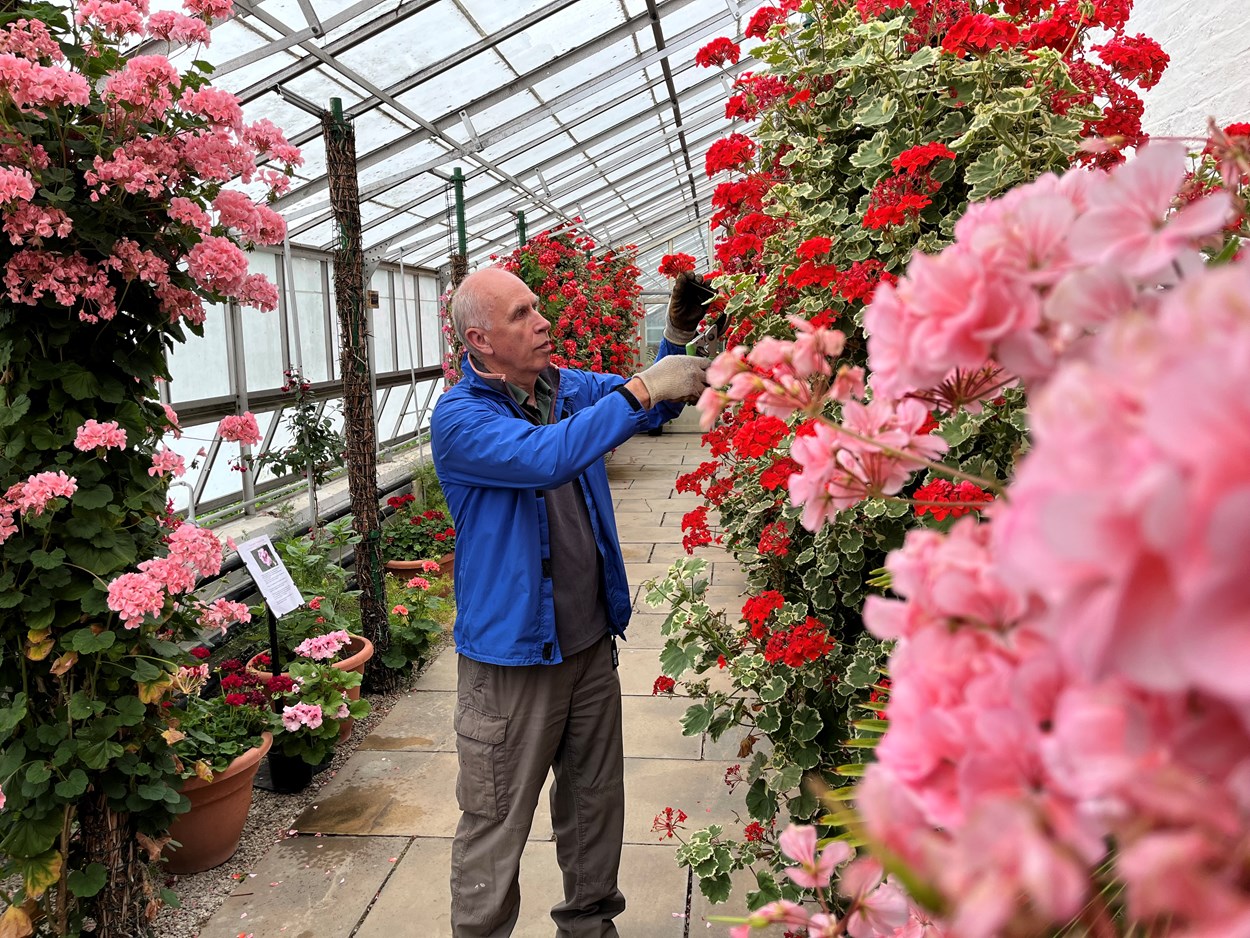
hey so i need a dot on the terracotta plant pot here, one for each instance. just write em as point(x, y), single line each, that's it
point(209, 833)
point(360, 650)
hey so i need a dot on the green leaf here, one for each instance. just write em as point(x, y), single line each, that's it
point(73, 785)
point(774, 690)
point(39, 872)
point(716, 888)
point(87, 642)
point(876, 112)
point(872, 152)
point(98, 755)
point(29, 837)
point(993, 171)
point(12, 715)
point(97, 496)
point(807, 723)
point(696, 720)
point(761, 803)
point(86, 883)
point(47, 560)
point(852, 770)
point(678, 658)
point(80, 384)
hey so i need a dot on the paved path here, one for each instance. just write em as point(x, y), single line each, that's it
point(373, 856)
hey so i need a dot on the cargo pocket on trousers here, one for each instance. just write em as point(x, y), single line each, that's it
point(481, 787)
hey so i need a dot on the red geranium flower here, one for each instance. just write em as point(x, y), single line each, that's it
point(717, 52)
point(673, 264)
point(980, 33)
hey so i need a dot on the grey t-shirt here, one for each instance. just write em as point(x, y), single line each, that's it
point(576, 566)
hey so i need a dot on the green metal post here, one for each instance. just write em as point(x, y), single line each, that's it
point(457, 179)
point(520, 229)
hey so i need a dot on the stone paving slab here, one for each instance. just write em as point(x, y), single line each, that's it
point(420, 893)
point(308, 887)
point(441, 674)
point(420, 722)
point(698, 788)
point(410, 794)
point(641, 666)
point(652, 729)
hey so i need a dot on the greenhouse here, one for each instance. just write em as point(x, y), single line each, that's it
point(624, 467)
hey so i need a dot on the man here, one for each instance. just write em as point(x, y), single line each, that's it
point(541, 596)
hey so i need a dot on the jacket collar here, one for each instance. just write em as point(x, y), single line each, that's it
point(477, 377)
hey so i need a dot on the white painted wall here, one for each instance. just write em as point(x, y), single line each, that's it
point(1209, 75)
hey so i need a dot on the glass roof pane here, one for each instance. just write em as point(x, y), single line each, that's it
point(412, 45)
point(566, 30)
point(449, 91)
point(492, 15)
point(578, 75)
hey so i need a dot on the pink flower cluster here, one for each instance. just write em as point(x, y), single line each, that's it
point(240, 428)
point(323, 647)
point(221, 614)
point(1036, 270)
point(32, 496)
point(194, 553)
point(875, 903)
point(167, 462)
point(1071, 673)
point(95, 435)
point(301, 714)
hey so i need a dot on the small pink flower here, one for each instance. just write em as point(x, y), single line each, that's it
point(239, 428)
point(799, 844)
point(399, 610)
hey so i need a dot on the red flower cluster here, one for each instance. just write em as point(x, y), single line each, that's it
point(921, 156)
point(663, 685)
point(879, 694)
point(962, 498)
point(1135, 58)
point(673, 264)
point(399, 501)
point(979, 34)
point(794, 647)
point(871, 9)
point(753, 833)
point(897, 200)
point(754, 438)
point(667, 822)
point(199, 651)
point(693, 481)
point(733, 152)
point(777, 476)
point(717, 52)
point(812, 248)
point(765, 18)
point(694, 523)
point(590, 299)
point(857, 284)
point(775, 539)
point(757, 609)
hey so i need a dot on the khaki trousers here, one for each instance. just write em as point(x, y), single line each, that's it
point(514, 725)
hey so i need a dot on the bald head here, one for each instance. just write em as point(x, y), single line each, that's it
point(478, 296)
point(496, 318)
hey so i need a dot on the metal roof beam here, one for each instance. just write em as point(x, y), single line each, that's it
point(301, 65)
point(488, 100)
point(373, 190)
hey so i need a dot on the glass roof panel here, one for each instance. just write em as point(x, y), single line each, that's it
point(566, 30)
point(453, 89)
point(417, 43)
point(576, 76)
point(492, 15)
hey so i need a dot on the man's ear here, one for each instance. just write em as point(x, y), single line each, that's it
point(478, 340)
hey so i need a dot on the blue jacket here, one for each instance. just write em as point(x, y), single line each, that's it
point(492, 462)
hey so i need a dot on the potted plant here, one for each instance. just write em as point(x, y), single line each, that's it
point(413, 627)
point(218, 743)
point(416, 533)
point(311, 704)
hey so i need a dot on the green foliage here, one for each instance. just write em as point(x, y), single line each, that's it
point(414, 629)
point(316, 448)
point(323, 686)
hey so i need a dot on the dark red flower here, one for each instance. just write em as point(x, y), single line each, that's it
point(663, 685)
point(200, 652)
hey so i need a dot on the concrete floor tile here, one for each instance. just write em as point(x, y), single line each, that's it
point(419, 722)
point(653, 884)
point(644, 629)
point(698, 788)
point(639, 572)
point(308, 887)
point(652, 729)
point(441, 674)
point(388, 793)
point(636, 552)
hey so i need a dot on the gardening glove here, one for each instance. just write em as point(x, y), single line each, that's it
point(687, 305)
point(675, 378)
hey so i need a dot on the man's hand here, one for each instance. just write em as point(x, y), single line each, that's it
point(687, 305)
point(672, 378)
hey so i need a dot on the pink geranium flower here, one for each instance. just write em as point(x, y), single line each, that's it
point(799, 844)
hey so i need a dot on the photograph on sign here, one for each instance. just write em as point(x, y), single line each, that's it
point(270, 575)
